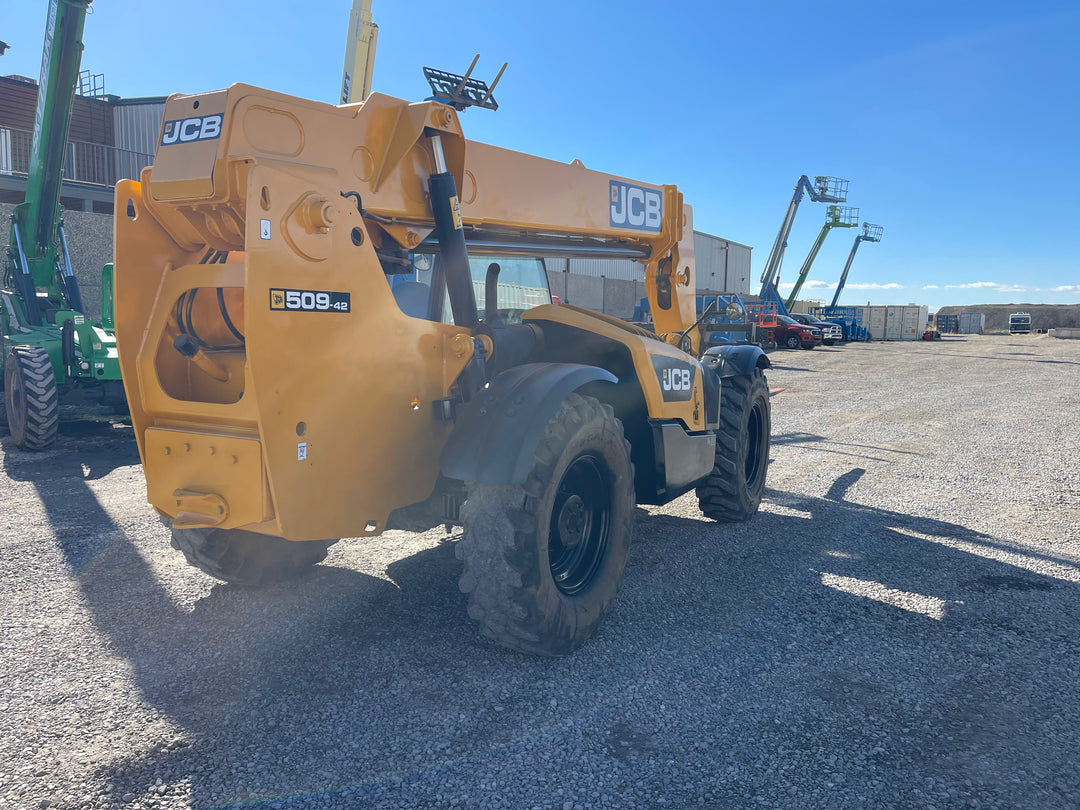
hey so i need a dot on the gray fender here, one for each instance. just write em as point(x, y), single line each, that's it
point(497, 433)
point(735, 361)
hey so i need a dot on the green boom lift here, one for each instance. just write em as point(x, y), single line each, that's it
point(50, 348)
point(836, 216)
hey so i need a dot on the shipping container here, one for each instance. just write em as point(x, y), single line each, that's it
point(948, 324)
point(875, 319)
point(912, 322)
point(972, 323)
point(895, 322)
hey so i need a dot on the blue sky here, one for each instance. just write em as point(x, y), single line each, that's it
point(956, 123)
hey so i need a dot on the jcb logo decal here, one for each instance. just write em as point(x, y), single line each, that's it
point(635, 207)
point(187, 130)
point(676, 378)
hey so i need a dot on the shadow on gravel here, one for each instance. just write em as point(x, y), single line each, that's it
point(945, 651)
point(344, 689)
point(271, 660)
point(1005, 356)
point(815, 442)
point(994, 650)
point(84, 448)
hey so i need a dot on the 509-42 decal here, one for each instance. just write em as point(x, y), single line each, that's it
point(310, 301)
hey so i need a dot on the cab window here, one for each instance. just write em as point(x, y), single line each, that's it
point(522, 285)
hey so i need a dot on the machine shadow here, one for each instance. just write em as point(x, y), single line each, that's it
point(813, 441)
point(1005, 356)
point(85, 448)
point(343, 649)
point(835, 571)
point(200, 667)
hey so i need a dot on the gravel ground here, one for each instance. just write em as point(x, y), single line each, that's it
point(895, 629)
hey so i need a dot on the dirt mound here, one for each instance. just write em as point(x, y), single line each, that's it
point(1043, 316)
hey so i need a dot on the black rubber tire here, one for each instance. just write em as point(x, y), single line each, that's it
point(512, 533)
point(733, 491)
point(792, 341)
point(247, 558)
point(31, 400)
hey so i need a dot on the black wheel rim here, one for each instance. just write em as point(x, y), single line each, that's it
point(755, 445)
point(580, 524)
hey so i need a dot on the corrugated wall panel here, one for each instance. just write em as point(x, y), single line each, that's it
point(710, 253)
point(626, 269)
point(723, 266)
point(738, 271)
point(137, 126)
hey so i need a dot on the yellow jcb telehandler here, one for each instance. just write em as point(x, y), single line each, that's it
point(335, 320)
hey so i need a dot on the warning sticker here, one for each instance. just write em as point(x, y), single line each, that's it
point(455, 209)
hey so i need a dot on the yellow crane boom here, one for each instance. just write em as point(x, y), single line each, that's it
point(359, 54)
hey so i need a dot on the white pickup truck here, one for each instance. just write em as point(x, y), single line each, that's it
point(830, 332)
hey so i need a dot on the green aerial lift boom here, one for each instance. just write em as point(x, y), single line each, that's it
point(50, 348)
point(836, 216)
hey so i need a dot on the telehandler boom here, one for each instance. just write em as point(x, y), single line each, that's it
point(335, 320)
point(51, 352)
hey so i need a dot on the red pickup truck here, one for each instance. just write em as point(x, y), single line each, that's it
point(792, 334)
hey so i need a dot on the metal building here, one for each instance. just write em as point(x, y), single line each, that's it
point(110, 139)
point(622, 269)
point(723, 266)
point(136, 124)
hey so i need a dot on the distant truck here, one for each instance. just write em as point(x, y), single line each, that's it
point(1020, 323)
point(791, 334)
point(830, 332)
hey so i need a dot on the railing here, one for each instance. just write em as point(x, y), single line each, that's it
point(764, 315)
point(93, 163)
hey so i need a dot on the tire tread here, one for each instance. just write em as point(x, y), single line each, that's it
point(247, 558)
point(723, 496)
point(41, 418)
point(500, 548)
